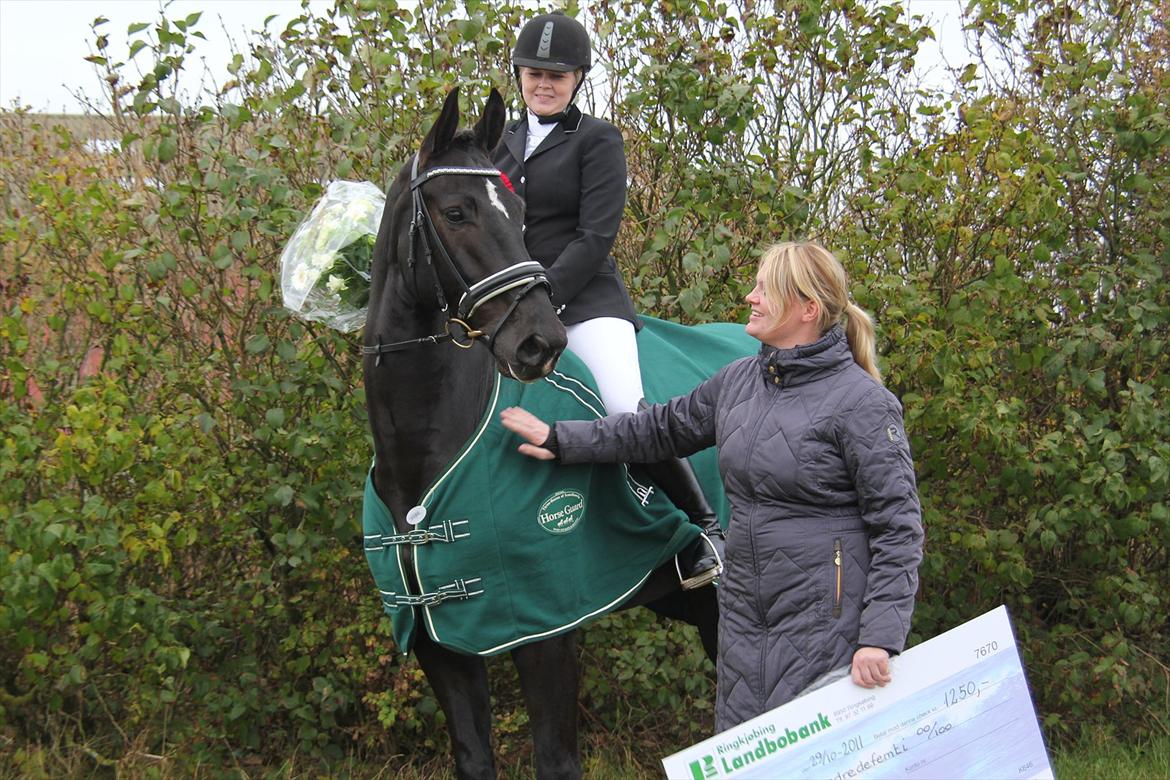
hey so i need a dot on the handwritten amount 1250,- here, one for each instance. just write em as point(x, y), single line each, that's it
point(960, 692)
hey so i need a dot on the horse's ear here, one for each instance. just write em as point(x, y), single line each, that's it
point(443, 130)
point(490, 126)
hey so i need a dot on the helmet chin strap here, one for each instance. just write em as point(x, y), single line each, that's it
point(580, 83)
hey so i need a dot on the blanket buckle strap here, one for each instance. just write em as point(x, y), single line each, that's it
point(446, 531)
point(459, 590)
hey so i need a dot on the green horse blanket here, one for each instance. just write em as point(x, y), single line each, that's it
point(510, 550)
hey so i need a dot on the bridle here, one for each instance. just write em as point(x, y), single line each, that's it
point(522, 276)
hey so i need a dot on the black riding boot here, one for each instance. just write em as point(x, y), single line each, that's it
point(702, 561)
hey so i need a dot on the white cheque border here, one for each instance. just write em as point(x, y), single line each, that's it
point(948, 696)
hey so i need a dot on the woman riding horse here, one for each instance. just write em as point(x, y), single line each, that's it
point(451, 274)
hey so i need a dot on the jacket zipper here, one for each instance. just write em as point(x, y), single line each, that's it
point(750, 527)
point(837, 567)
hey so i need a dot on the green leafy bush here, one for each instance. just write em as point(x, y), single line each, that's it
point(181, 462)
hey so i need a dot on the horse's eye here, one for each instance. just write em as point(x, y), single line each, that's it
point(454, 216)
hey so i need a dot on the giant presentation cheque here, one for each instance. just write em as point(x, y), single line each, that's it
point(958, 707)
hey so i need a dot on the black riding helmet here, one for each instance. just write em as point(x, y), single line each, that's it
point(553, 42)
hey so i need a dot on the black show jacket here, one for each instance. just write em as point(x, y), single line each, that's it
point(574, 189)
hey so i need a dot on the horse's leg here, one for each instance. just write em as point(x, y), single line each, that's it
point(703, 609)
point(548, 678)
point(461, 685)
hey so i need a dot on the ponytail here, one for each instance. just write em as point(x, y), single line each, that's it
point(862, 340)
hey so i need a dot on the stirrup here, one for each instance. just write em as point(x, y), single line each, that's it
point(704, 577)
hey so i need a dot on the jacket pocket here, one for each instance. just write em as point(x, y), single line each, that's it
point(837, 563)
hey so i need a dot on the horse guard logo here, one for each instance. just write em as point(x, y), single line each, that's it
point(561, 512)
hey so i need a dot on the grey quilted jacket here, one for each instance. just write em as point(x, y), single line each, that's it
point(826, 532)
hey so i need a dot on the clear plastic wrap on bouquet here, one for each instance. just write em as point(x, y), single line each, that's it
point(325, 268)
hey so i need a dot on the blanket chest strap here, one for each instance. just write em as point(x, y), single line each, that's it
point(458, 590)
point(447, 531)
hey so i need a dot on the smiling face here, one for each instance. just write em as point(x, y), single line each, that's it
point(547, 92)
point(783, 324)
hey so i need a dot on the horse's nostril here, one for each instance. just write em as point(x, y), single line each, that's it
point(536, 351)
point(533, 348)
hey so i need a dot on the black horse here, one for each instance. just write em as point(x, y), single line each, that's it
point(450, 266)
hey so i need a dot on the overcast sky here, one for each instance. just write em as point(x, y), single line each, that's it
point(43, 43)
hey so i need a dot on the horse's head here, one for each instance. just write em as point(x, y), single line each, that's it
point(456, 249)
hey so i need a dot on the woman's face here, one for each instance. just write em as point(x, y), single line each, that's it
point(765, 323)
point(547, 92)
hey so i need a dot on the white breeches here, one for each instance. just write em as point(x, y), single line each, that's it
point(608, 346)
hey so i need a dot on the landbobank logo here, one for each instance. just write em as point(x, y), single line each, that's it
point(742, 752)
point(561, 512)
point(704, 768)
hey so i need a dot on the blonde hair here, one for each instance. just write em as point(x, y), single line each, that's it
point(808, 270)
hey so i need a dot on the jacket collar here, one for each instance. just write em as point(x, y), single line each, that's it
point(516, 138)
point(518, 134)
point(806, 363)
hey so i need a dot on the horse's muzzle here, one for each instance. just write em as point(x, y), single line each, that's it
point(535, 358)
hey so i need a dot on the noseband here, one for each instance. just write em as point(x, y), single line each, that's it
point(523, 276)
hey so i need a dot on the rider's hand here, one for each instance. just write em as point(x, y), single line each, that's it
point(871, 667)
point(529, 427)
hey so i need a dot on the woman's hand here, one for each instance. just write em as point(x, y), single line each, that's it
point(871, 667)
point(529, 427)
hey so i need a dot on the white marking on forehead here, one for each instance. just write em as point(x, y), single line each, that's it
point(494, 196)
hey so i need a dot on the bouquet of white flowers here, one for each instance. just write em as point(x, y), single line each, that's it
point(325, 269)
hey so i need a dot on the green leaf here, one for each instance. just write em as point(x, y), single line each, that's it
point(206, 422)
point(256, 344)
point(168, 147)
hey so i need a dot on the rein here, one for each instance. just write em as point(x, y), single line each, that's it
point(524, 275)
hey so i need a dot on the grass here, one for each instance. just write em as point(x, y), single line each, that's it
point(1092, 758)
point(1100, 758)
point(600, 761)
